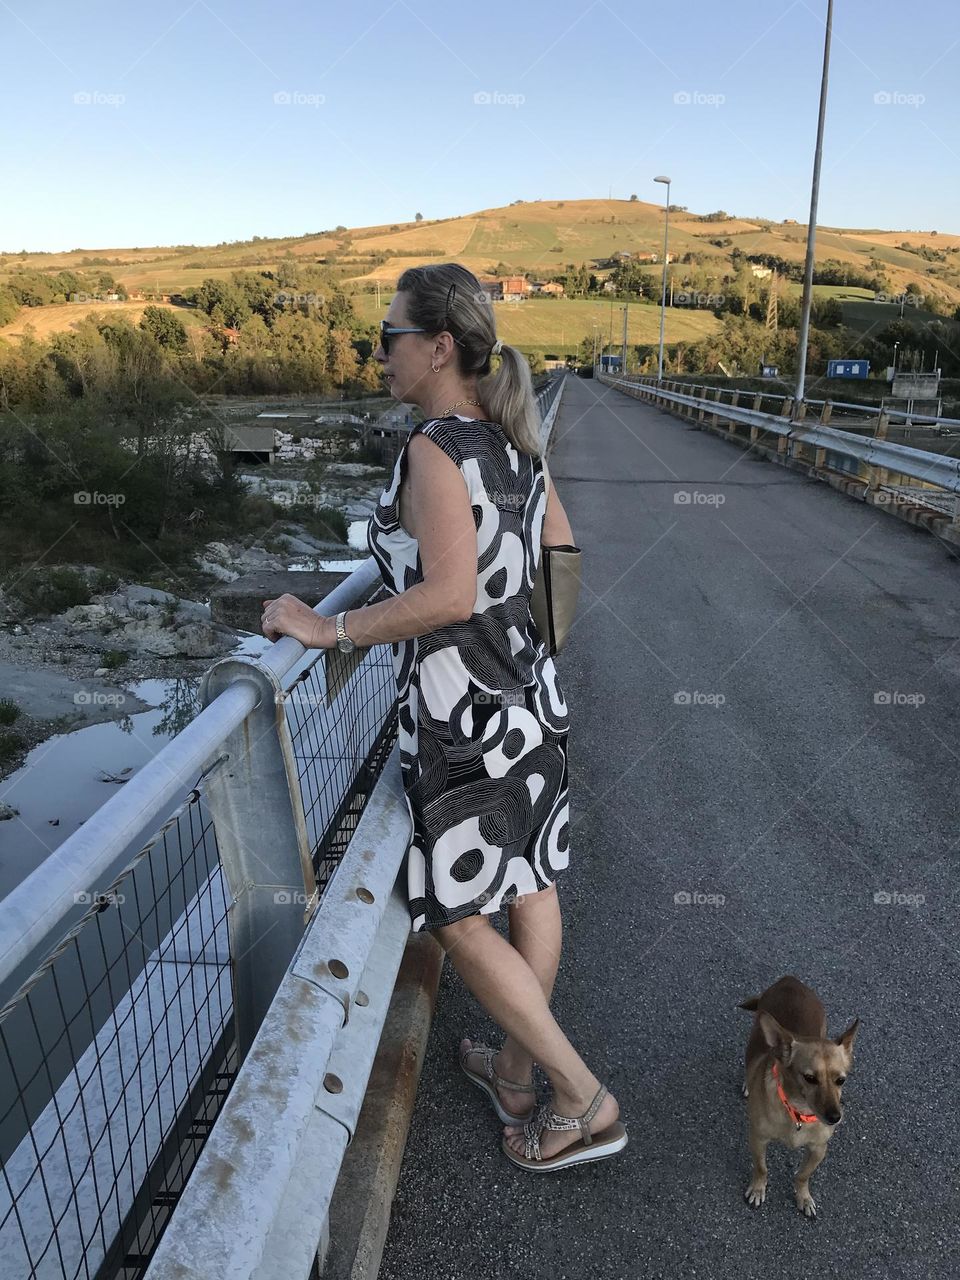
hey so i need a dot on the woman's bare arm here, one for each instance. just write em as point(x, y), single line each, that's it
point(556, 527)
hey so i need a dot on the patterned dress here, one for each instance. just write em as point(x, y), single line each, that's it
point(483, 720)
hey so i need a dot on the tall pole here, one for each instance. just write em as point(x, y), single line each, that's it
point(663, 287)
point(812, 224)
point(623, 362)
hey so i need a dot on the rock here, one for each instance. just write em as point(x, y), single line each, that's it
point(148, 595)
point(189, 640)
point(89, 617)
point(7, 811)
point(215, 570)
point(101, 671)
point(218, 550)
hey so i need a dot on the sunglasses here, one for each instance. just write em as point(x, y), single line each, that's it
point(388, 330)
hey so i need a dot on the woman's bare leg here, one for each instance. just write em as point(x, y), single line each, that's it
point(536, 931)
point(510, 991)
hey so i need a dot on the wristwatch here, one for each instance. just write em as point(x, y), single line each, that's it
point(344, 643)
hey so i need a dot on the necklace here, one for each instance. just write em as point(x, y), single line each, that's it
point(458, 404)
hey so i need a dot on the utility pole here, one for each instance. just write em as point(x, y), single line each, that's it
point(623, 362)
point(812, 225)
point(663, 287)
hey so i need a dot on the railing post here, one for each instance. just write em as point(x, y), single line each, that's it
point(715, 417)
point(883, 421)
point(261, 830)
point(826, 412)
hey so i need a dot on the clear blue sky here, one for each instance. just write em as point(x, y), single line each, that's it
point(182, 140)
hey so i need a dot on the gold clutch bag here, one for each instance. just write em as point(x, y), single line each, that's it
point(556, 589)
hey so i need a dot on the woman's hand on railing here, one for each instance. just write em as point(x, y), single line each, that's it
point(287, 616)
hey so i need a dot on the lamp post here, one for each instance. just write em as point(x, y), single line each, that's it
point(812, 224)
point(663, 289)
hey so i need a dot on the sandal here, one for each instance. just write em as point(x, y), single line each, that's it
point(488, 1080)
point(590, 1146)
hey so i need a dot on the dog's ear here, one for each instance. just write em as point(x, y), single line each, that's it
point(846, 1040)
point(777, 1038)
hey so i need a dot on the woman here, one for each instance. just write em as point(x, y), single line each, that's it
point(483, 721)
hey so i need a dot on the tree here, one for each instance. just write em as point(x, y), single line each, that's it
point(632, 198)
point(418, 217)
point(341, 358)
point(165, 327)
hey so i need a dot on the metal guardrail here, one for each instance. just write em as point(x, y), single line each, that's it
point(860, 410)
point(831, 447)
point(192, 918)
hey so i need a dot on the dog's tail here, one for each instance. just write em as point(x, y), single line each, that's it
point(750, 1005)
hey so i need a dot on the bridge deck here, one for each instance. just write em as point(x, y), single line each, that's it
point(798, 798)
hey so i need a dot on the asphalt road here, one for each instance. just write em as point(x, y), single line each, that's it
point(797, 798)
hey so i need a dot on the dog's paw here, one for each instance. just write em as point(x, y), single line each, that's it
point(755, 1194)
point(806, 1204)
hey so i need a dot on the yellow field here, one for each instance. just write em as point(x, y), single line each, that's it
point(559, 325)
point(54, 319)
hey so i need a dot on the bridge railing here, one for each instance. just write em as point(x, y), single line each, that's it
point(187, 920)
point(884, 466)
point(770, 397)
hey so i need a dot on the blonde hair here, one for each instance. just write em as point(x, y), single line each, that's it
point(445, 296)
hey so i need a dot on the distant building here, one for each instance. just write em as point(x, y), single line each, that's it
point(546, 286)
point(515, 288)
point(760, 272)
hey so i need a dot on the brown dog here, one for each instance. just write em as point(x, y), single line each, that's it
point(793, 1079)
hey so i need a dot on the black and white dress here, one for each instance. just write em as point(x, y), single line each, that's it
point(483, 720)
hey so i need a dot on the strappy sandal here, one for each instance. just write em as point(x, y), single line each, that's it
point(488, 1080)
point(590, 1146)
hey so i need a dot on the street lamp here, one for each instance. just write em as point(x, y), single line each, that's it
point(895, 346)
point(663, 290)
point(812, 224)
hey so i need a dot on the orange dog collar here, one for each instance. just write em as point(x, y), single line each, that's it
point(798, 1117)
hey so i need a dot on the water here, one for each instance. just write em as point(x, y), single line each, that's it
point(62, 779)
